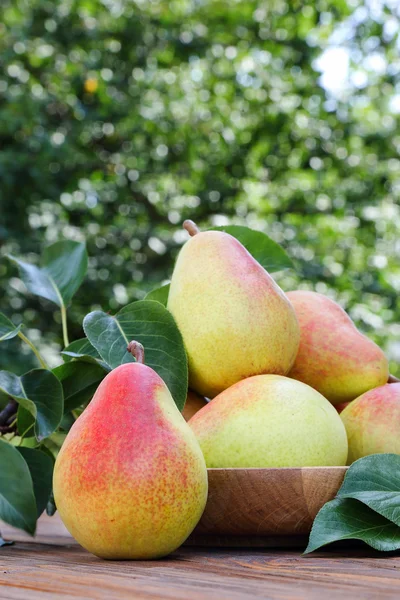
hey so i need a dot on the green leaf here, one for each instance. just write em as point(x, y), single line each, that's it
point(63, 269)
point(41, 467)
point(40, 393)
point(160, 294)
point(375, 481)
point(26, 442)
point(152, 325)
point(51, 506)
point(79, 349)
point(79, 381)
point(17, 499)
point(83, 351)
point(268, 253)
point(67, 421)
point(348, 519)
point(25, 422)
point(7, 328)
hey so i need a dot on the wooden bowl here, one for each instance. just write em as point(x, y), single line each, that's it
point(264, 507)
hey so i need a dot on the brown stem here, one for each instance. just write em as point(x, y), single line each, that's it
point(137, 351)
point(393, 379)
point(8, 411)
point(8, 428)
point(191, 227)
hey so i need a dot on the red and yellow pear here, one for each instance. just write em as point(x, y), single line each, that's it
point(235, 320)
point(334, 357)
point(130, 481)
point(372, 422)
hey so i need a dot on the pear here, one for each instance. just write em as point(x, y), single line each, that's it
point(234, 319)
point(270, 421)
point(193, 404)
point(334, 357)
point(130, 481)
point(372, 422)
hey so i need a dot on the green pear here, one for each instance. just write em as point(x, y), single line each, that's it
point(270, 421)
point(235, 320)
point(130, 481)
point(334, 357)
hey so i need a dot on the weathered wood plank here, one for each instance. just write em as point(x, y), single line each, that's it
point(41, 570)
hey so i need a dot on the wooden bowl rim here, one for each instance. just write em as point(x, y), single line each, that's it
point(274, 469)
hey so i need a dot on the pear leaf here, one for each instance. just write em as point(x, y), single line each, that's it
point(83, 351)
point(268, 253)
point(79, 381)
point(151, 324)
point(348, 519)
point(80, 349)
point(375, 481)
point(17, 499)
point(7, 328)
point(40, 466)
point(64, 266)
point(40, 393)
point(160, 294)
point(51, 506)
point(25, 423)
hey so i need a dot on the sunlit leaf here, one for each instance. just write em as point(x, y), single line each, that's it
point(159, 294)
point(268, 253)
point(64, 266)
point(375, 481)
point(7, 329)
point(348, 519)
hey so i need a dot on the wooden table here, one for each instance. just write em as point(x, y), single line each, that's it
point(54, 566)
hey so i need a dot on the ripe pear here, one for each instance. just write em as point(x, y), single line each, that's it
point(270, 421)
point(372, 422)
point(234, 319)
point(193, 404)
point(334, 357)
point(130, 481)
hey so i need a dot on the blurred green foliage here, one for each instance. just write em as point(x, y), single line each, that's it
point(121, 118)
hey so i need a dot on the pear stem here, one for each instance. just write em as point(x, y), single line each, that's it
point(137, 351)
point(191, 227)
point(393, 379)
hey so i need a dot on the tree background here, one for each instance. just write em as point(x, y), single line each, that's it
point(121, 118)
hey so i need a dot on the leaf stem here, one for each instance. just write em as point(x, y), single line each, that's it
point(34, 349)
point(64, 325)
point(22, 435)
